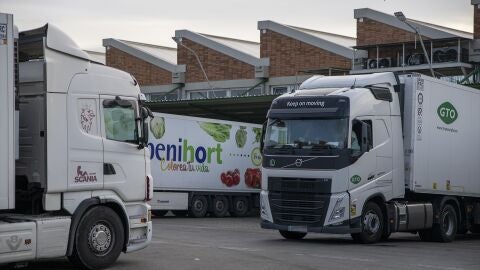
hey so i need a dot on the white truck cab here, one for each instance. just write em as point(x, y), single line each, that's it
point(348, 154)
point(79, 182)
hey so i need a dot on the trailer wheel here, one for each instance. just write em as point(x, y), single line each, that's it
point(159, 213)
point(446, 230)
point(198, 206)
point(240, 207)
point(292, 235)
point(180, 213)
point(99, 239)
point(372, 225)
point(220, 206)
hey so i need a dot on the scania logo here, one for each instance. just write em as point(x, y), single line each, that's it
point(298, 162)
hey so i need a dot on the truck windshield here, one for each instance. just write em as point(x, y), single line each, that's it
point(306, 136)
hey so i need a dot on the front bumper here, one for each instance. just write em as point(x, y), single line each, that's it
point(140, 226)
point(345, 227)
point(307, 212)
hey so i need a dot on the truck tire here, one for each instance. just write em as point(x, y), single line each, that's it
point(99, 239)
point(372, 224)
point(198, 206)
point(180, 213)
point(159, 213)
point(220, 206)
point(292, 235)
point(240, 206)
point(446, 230)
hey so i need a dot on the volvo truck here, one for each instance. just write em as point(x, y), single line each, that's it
point(74, 167)
point(369, 155)
point(204, 165)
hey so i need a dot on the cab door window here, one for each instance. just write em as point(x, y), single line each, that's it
point(120, 120)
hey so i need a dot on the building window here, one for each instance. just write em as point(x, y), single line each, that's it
point(223, 93)
point(162, 97)
point(282, 89)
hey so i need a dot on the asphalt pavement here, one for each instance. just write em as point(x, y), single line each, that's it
point(240, 243)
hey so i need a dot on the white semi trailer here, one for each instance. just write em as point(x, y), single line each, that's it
point(203, 165)
point(373, 154)
point(74, 169)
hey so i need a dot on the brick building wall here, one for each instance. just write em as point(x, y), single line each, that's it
point(288, 55)
point(144, 72)
point(218, 66)
point(371, 32)
point(476, 22)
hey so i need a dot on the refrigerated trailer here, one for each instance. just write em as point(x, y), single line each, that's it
point(204, 165)
point(373, 154)
point(74, 170)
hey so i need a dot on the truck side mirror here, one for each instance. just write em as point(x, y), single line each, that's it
point(145, 131)
point(145, 113)
point(262, 139)
point(366, 143)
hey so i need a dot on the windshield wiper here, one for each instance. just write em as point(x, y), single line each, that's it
point(323, 149)
point(283, 149)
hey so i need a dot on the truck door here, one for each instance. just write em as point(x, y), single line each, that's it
point(382, 143)
point(124, 162)
point(85, 145)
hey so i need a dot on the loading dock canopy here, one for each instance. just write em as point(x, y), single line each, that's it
point(252, 109)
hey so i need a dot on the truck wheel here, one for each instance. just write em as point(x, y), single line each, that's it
point(198, 206)
point(292, 235)
point(220, 206)
point(99, 239)
point(159, 213)
point(372, 225)
point(180, 213)
point(447, 228)
point(240, 207)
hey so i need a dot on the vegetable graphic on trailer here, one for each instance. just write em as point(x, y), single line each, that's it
point(203, 166)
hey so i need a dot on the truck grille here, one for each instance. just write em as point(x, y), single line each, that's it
point(303, 185)
point(298, 208)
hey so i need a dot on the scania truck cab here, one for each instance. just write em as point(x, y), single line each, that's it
point(75, 171)
point(347, 154)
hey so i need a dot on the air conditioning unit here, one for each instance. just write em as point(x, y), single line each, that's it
point(385, 62)
point(442, 55)
point(416, 59)
point(178, 77)
point(261, 72)
point(372, 63)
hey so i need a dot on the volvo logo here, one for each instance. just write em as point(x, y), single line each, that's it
point(298, 162)
point(272, 162)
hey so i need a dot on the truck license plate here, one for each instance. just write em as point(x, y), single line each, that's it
point(297, 228)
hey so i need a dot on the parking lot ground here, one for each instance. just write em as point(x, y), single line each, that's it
point(240, 243)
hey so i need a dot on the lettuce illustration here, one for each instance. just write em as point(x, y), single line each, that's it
point(241, 137)
point(219, 132)
point(157, 127)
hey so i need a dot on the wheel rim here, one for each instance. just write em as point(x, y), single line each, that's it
point(240, 206)
point(219, 205)
point(198, 205)
point(448, 224)
point(371, 222)
point(100, 238)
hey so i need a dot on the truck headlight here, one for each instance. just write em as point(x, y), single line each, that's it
point(338, 210)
